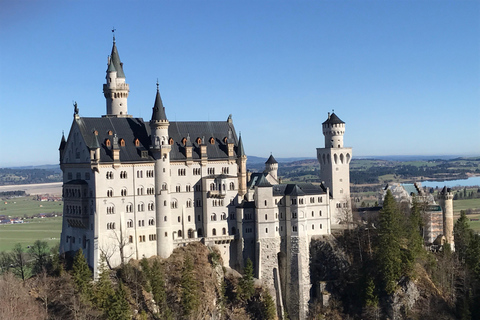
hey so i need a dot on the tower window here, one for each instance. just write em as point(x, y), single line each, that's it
point(122, 142)
point(137, 142)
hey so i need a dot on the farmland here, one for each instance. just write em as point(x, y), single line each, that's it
point(46, 229)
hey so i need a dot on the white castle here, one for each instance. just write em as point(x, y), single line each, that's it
point(135, 189)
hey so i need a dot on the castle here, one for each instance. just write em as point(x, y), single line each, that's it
point(135, 188)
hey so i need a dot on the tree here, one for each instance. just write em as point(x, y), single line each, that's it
point(462, 235)
point(81, 274)
point(157, 282)
point(268, 309)
point(246, 287)
point(103, 288)
point(118, 307)
point(20, 263)
point(40, 253)
point(389, 255)
point(188, 285)
point(6, 261)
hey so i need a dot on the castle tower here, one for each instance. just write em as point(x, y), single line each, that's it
point(242, 168)
point(334, 162)
point(446, 202)
point(160, 149)
point(271, 167)
point(115, 89)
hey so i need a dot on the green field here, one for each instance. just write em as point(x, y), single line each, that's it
point(466, 204)
point(46, 229)
point(19, 207)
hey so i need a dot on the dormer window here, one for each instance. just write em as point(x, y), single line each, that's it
point(137, 142)
point(212, 140)
point(122, 142)
point(199, 140)
point(225, 140)
point(110, 132)
point(107, 142)
point(184, 141)
point(95, 132)
point(170, 141)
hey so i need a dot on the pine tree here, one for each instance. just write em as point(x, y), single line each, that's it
point(389, 255)
point(118, 307)
point(81, 274)
point(40, 253)
point(157, 283)
point(462, 235)
point(268, 309)
point(103, 288)
point(246, 287)
point(189, 296)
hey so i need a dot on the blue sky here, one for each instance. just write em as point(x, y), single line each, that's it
point(403, 75)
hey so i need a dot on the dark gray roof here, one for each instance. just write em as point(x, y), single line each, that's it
point(254, 178)
point(263, 182)
point(158, 113)
point(299, 189)
point(131, 129)
point(63, 142)
point(271, 160)
point(115, 59)
point(240, 151)
point(333, 119)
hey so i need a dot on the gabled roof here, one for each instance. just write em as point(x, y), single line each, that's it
point(271, 160)
point(115, 60)
point(333, 119)
point(158, 113)
point(132, 129)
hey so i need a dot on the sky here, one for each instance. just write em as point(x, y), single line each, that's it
point(403, 75)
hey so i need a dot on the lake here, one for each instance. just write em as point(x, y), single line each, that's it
point(472, 181)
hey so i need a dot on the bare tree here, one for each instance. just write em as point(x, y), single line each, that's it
point(120, 242)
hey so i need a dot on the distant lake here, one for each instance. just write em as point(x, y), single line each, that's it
point(472, 181)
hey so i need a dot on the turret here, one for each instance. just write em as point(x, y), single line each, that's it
point(271, 167)
point(446, 202)
point(160, 149)
point(242, 168)
point(333, 130)
point(115, 89)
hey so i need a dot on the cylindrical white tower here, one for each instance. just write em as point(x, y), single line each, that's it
point(161, 152)
point(446, 201)
point(333, 130)
point(271, 167)
point(116, 89)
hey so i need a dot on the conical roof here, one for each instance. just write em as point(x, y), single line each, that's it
point(333, 119)
point(115, 60)
point(271, 160)
point(63, 142)
point(158, 113)
point(240, 150)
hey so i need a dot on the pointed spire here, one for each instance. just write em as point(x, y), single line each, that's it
point(115, 60)
point(63, 142)
point(263, 182)
point(240, 150)
point(158, 113)
point(111, 67)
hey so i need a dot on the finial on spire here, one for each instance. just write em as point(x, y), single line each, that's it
point(113, 32)
point(75, 107)
point(157, 85)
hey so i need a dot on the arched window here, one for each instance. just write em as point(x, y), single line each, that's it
point(179, 233)
point(107, 142)
point(137, 142)
point(224, 231)
point(232, 186)
point(122, 142)
point(212, 186)
point(170, 141)
point(214, 232)
point(212, 140)
point(130, 224)
point(190, 233)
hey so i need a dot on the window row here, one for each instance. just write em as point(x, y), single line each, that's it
point(74, 193)
point(213, 216)
point(70, 209)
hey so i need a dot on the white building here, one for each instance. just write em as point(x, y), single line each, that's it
point(135, 189)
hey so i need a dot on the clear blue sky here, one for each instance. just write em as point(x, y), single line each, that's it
point(403, 75)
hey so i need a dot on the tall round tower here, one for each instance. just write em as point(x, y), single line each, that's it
point(446, 202)
point(115, 89)
point(334, 162)
point(161, 152)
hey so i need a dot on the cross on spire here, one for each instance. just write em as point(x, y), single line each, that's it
point(157, 85)
point(113, 32)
